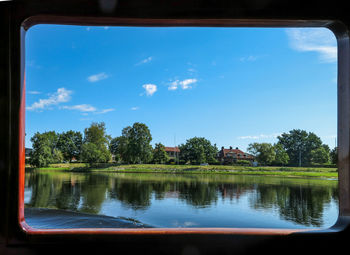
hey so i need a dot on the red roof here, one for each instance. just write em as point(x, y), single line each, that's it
point(237, 152)
point(175, 149)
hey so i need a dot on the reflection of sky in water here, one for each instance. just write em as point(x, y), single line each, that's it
point(237, 212)
point(27, 195)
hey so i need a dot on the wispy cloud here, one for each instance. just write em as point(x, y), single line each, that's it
point(144, 61)
point(150, 89)
point(135, 108)
point(80, 108)
point(105, 111)
point(250, 58)
point(62, 95)
point(87, 108)
point(97, 77)
point(258, 137)
point(184, 84)
point(33, 92)
point(319, 40)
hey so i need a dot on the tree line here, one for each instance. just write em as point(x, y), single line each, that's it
point(297, 147)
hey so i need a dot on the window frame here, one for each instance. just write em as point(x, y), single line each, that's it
point(18, 20)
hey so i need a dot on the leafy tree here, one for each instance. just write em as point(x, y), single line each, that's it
point(320, 155)
point(95, 145)
point(96, 134)
point(198, 150)
point(281, 157)
point(299, 144)
point(69, 143)
point(264, 152)
point(57, 156)
point(44, 145)
point(91, 153)
point(40, 156)
point(134, 144)
point(160, 156)
point(334, 155)
point(119, 147)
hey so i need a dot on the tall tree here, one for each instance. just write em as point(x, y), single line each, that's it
point(334, 155)
point(264, 152)
point(133, 146)
point(299, 144)
point(44, 146)
point(69, 143)
point(139, 149)
point(119, 148)
point(198, 150)
point(160, 156)
point(95, 145)
point(281, 157)
point(320, 155)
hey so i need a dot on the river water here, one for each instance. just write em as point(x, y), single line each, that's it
point(180, 200)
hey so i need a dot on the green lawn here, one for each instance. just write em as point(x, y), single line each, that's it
point(144, 168)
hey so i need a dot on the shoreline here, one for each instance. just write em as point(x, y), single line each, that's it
point(301, 172)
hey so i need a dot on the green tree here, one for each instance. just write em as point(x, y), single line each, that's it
point(57, 156)
point(334, 155)
point(198, 150)
point(264, 152)
point(160, 156)
point(44, 146)
point(320, 155)
point(134, 144)
point(91, 154)
point(299, 144)
point(281, 157)
point(119, 148)
point(95, 145)
point(96, 134)
point(69, 143)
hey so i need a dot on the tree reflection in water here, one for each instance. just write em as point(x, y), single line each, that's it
point(298, 200)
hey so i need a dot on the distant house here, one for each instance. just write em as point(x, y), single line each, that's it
point(228, 156)
point(173, 152)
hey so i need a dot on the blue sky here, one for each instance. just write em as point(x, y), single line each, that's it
point(234, 86)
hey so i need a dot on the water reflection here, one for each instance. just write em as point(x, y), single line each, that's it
point(208, 197)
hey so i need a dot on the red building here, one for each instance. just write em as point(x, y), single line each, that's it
point(228, 156)
point(173, 152)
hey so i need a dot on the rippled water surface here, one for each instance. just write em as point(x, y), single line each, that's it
point(186, 200)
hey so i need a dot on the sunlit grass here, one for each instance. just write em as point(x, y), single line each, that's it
point(196, 169)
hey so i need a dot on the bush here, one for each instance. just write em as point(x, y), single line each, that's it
point(243, 163)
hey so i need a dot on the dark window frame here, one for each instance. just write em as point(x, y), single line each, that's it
point(17, 17)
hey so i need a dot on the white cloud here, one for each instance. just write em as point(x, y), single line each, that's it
point(97, 77)
point(258, 137)
point(320, 40)
point(105, 111)
point(86, 108)
point(80, 107)
point(33, 92)
point(250, 58)
point(184, 84)
point(135, 108)
point(62, 95)
point(144, 61)
point(150, 89)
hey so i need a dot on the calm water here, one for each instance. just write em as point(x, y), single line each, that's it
point(169, 200)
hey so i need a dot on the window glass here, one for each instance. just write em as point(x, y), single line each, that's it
point(138, 127)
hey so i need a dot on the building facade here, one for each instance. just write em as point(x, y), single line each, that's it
point(229, 156)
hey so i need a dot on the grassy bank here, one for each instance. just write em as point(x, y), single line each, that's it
point(195, 169)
